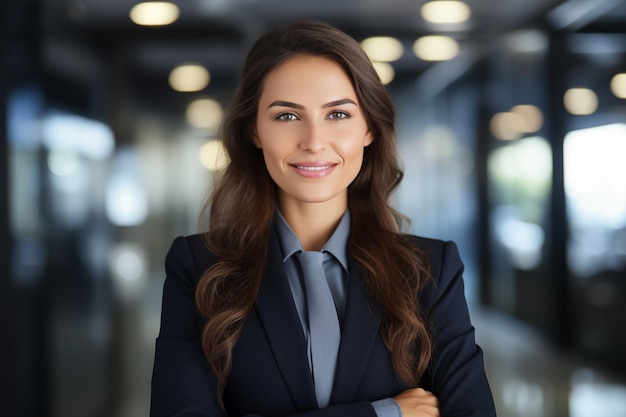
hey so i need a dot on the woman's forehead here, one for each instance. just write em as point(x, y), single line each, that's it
point(308, 78)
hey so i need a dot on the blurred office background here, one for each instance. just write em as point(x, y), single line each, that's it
point(511, 128)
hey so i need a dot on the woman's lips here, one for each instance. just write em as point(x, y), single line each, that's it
point(318, 169)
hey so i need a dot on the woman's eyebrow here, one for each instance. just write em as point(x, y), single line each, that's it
point(334, 103)
point(339, 103)
point(286, 104)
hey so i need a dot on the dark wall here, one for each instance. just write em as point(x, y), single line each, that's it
point(19, 396)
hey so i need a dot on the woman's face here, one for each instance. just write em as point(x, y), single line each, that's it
point(312, 131)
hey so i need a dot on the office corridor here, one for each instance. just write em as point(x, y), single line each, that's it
point(531, 378)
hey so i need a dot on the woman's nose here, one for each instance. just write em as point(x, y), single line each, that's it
point(313, 138)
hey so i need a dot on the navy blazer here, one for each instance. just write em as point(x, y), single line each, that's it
point(270, 375)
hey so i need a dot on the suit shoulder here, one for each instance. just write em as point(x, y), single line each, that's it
point(435, 249)
point(425, 243)
point(189, 256)
point(199, 248)
point(443, 255)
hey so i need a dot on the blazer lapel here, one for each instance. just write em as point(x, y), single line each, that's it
point(279, 318)
point(359, 332)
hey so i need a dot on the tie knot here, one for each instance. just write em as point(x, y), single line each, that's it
point(311, 258)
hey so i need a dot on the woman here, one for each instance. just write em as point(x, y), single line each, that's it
point(244, 330)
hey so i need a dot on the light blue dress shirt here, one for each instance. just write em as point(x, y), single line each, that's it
point(336, 270)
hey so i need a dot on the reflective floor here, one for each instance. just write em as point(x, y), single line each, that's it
point(531, 378)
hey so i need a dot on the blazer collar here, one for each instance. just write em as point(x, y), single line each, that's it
point(279, 317)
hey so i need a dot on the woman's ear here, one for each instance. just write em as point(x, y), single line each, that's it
point(369, 138)
point(254, 138)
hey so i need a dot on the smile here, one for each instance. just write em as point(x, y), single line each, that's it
point(314, 168)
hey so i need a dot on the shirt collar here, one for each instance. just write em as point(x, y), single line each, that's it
point(336, 245)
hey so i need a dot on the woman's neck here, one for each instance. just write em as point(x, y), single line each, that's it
point(313, 223)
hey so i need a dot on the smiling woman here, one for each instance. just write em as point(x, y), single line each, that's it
point(303, 297)
point(312, 133)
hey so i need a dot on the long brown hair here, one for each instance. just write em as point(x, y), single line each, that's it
point(243, 203)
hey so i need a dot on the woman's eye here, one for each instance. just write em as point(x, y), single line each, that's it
point(286, 117)
point(338, 115)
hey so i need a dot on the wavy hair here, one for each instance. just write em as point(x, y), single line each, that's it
point(242, 206)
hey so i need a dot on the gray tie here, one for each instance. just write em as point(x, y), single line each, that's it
point(323, 325)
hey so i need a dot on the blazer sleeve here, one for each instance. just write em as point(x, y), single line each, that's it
point(183, 384)
point(456, 375)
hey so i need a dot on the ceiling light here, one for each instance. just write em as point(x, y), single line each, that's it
point(531, 117)
point(580, 101)
point(436, 48)
point(189, 78)
point(507, 126)
point(383, 48)
point(618, 85)
point(154, 13)
point(213, 155)
point(441, 11)
point(204, 113)
point(385, 71)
